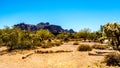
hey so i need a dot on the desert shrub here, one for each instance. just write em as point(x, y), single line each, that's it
point(38, 43)
point(99, 46)
point(66, 39)
point(22, 45)
point(25, 45)
point(76, 43)
point(57, 43)
point(47, 45)
point(112, 59)
point(61, 41)
point(84, 47)
point(44, 35)
point(1, 43)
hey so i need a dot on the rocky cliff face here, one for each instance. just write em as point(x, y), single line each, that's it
point(51, 28)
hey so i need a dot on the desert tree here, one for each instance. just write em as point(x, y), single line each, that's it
point(84, 34)
point(44, 35)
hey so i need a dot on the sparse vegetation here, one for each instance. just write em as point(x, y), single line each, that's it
point(57, 43)
point(47, 45)
point(84, 47)
point(59, 34)
point(112, 59)
point(76, 43)
point(100, 46)
point(50, 44)
point(14, 38)
point(86, 34)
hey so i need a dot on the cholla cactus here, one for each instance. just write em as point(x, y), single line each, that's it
point(112, 31)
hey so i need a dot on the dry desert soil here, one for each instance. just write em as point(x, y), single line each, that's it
point(74, 59)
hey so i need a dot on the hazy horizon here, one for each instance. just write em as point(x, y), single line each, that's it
point(69, 14)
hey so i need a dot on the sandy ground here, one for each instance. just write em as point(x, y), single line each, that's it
point(73, 59)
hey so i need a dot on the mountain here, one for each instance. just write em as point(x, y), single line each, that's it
point(42, 25)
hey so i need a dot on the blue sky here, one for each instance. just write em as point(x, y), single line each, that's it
point(70, 14)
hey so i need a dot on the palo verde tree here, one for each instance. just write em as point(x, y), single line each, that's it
point(112, 31)
point(44, 35)
point(84, 34)
point(14, 38)
point(64, 36)
point(10, 37)
point(5, 35)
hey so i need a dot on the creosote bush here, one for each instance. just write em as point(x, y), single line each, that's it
point(76, 43)
point(84, 47)
point(57, 43)
point(112, 59)
point(47, 45)
point(99, 46)
point(66, 39)
point(50, 44)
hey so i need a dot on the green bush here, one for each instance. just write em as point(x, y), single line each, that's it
point(84, 47)
point(22, 45)
point(112, 59)
point(38, 43)
point(76, 43)
point(25, 45)
point(99, 46)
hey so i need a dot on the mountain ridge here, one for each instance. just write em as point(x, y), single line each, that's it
point(50, 27)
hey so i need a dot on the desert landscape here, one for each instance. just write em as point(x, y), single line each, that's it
point(74, 59)
point(59, 34)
